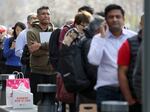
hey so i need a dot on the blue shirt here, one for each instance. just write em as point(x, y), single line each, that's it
point(103, 53)
point(9, 54)
point(20, 42)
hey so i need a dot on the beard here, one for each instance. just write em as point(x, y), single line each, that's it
point(115, 28)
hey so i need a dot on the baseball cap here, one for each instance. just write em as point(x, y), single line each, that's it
point(2, 28)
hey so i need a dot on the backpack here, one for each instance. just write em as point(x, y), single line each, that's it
point(71, 63)
point(73, 73)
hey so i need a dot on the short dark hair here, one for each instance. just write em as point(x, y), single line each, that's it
point(41, 8)
point(86, 8)
point(29, 18)
point(113, 7)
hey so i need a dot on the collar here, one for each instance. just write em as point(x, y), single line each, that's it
point(110, 35)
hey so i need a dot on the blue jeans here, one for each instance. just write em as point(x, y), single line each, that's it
point(108, 93)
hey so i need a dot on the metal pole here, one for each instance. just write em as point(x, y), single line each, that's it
point(146, 59)
point(47, 103)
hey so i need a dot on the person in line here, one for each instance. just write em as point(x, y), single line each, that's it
point(126, 62)
point(22, 37)
point(21, 49)
point(41, 71)
point(13, 62)
point(103, 53)
point(74, 37)
point(54, 58)
point(89, 95)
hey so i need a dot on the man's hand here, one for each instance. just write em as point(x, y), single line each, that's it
point(103, 28)
point(34, 46)
point(131, 101)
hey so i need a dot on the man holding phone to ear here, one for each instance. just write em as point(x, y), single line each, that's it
point(104, 51)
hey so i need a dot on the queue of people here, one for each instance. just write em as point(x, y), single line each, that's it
point(96, 56)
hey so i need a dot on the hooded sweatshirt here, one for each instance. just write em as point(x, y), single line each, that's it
point(39, 59)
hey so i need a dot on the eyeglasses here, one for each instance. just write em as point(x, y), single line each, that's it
point(84, 25)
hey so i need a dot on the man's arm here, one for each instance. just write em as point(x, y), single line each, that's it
point(123, 64)
point(124, 86)
point(97, 45)
point(33, 44)
point(96, 50)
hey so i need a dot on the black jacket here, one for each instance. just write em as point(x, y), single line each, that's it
point(134, 44)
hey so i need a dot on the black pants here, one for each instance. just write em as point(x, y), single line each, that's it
point(40, 79)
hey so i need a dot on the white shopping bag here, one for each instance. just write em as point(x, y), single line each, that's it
point(17, 84)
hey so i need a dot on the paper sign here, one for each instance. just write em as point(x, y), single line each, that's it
point(45, 36)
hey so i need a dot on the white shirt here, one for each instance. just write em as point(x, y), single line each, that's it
point(104, 52)
point(20, 43)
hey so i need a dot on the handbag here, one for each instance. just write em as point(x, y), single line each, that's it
point(61, 93)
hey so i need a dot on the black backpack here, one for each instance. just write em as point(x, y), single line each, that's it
point(73, 73)
point(71, 63)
